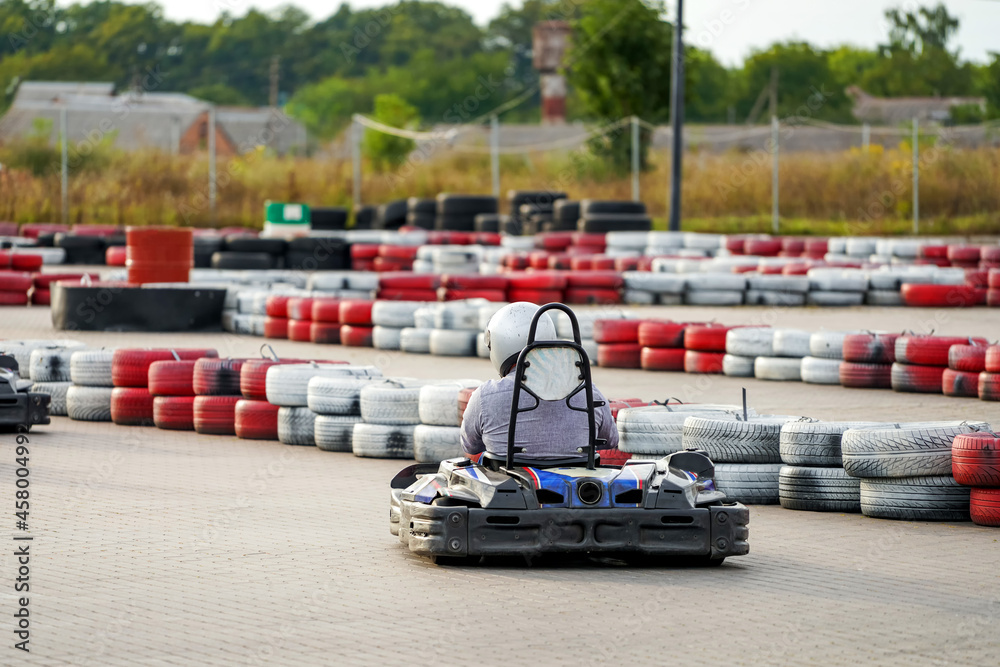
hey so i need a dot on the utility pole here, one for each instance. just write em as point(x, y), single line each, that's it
point(275, 78)
point(677, 120)
point(775, 139)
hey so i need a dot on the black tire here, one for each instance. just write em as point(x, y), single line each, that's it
point(317, 253)
point(465, 205)
point(594, 207)
point(541, 199)
point(422, 220)
point(815, 443)
point(566, 211)
point(237, 243)
point(82, 249)
point(736, 441)
point(938, 498)
point(455, 223)
point(559, 226)
point(903, 450)
point(490, 222)
point(328, 218)
point(421, 206)
point(364, 216)
point(819, 489)
point(750, 484)
point(391, 215)
point(602, 224)
point(257, 261)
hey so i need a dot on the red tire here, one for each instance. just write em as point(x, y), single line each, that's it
point(662, 359)
point(41, 297)
point(975, 459)
point(407, 295)
point(172, 378)
point(993, 298)
point(277, 305)
point(939, 296)
point(662, 334)
point(762, 247)
point(989, 386)
point(398, 252)
point(115, 255)
point(984, 507)
point(356, 312)
point(300, 308)
point(462, 294)
point(364, 251)
point(968, 358)
point(409, 281)
point(463, 399)
point(706, 337)
point(964, 253)
point(45, 280)
point(929, 350)
point(253, 375)
point(215, 415)
point(325, 333)
point(917, 379)
point(817, 248)
point(362, 265)
point(131, 406)
point(325, 310)
point(793, 247)
point(618, 355)
point(460, 281)
point(590, 240)
point(933, 252)
point(538, 259)
point(276, 328)
point(593, 296)
point(870, 348)
point(539, 296)
point(256, 420)
point(977, 278)
point(15, 281)
point(130, 367)
point(300, 330)
point(992, 362)
point(353, 335)
point(613, 457)
point(13, 298)
point(865, 376)
point(703, 362)
point(990, 253)
point(518, 261)
point(617, 331)
point(217, 377)
point(537, 280)
point(554, 241)
point(20, 261)
point(617, 404)
point(175, 413)
point(595, 279)
point(626, 264)
point(960, 383)
point(993, 280)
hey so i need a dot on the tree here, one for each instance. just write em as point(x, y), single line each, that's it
point(388, 151)
point(221, 94)
point(990, 86)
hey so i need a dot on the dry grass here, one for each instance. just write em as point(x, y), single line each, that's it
point(849, 192)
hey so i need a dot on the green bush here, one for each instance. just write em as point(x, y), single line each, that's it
point(385, 150)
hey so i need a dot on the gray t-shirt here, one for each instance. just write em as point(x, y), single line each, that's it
point(550, 431)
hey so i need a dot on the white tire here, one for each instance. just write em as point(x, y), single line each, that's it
point(438, 403)
point(716, 282)
point(791, 343)
point(335, 433)
point(658, 430)
point(361, 281)
point(423, 318)
point(395, 314)
point(386, 338)
point(482, 350)
point(328, 281)
point(703, 241)
point(737, 366)
point(778, 283)
point(838, 280)
point(394, 401)
point(57, 392)
point(748, 483)
point(288, 385)
point(730, 439)
point(859, 246)
point(21, 350)
point(634, 297)
point(90, 404)
point(777, 368)
point(383, 441)
point(750, 341)
point(828, 344)
point(336, 395)
point(670, 299)
point(822, 298)
point(49, 364)
point(817, 370)
point(766, 298)
point(433, 444)
point(458, 315)
point(883, 298)
point(415, 341)
point(453, 343)
point(658, 283)
point(714, 298)
point(296, 426)
point(91, 368)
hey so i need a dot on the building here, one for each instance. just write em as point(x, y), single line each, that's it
point(898, 110)
point(170, 122)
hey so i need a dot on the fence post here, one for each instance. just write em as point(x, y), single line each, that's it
point(356, 159)
point(916, 176)
point(495, 153)
point(211, 161)
point(866, 136)
point(64, 171)
point(635, 158)
point(775, 136)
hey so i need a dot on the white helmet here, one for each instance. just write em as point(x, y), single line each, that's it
point(507, 333)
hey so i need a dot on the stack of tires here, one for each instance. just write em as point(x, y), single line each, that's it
point(438, 437)
point(458, 212)
point(715, 289)
point(417, 339)
point(975, 462)
point(618, 343)
point(159, 254)
point(745, 451)
point(324, 320)
point(705, 346)
point(600, 217)
point(790, 347)
point(131, 400)
point(836, 287)
point(989, 379)
point(921, 361)
point(356, 323)
point(906, 470)
point(336, 401)
point(421, 212)
point(299, 310)
point(255, 418)
point(868, 360)
point(743, 346)
point(171, 383)
point(344, 284)
point(216, 384)
point(662, 345)
point(539, 287)
point(993, 292)
point(391, 215)
point(89, 399)
point(654, 431)
point(390, 413)
point(647, 288)
point(455, 330)
point(14, 286)
point(404, 286)
point(389, 318)
point(813, 477)
point(826, 354)
point(602, 288)
point(249, 253)
point(49, 370)
point(276, 314)
point(776, 290)
point(287, 386)
point(965, 364)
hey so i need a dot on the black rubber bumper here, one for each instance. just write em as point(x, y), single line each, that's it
point(713, 532)
point(123, 308)
point(21, 411)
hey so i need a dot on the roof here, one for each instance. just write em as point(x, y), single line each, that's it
point(52, 90)
point(893, 110)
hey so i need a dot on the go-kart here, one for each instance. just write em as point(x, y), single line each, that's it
point(505, 505)
point(20, 409)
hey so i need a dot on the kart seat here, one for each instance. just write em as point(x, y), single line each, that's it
point(497, 461)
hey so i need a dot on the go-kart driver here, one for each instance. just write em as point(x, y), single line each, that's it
point(552, 430)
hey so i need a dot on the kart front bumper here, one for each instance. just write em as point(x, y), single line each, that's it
point(21, 411)
point(714, 532)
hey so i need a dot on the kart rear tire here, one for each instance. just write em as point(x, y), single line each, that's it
point(296, 426)
point(819, 489)
point(903, 450)
point(383, 441)
point(938, 498)
point(750, 484)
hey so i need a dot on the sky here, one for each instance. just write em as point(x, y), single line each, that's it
point(730, 29)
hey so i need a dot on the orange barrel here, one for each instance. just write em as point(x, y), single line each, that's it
point(159, 254)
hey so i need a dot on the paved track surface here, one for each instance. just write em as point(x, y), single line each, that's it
point(157, 548)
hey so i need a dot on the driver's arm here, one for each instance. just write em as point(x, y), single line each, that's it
point(472, 428)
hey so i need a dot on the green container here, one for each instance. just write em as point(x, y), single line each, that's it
point(282, 213)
